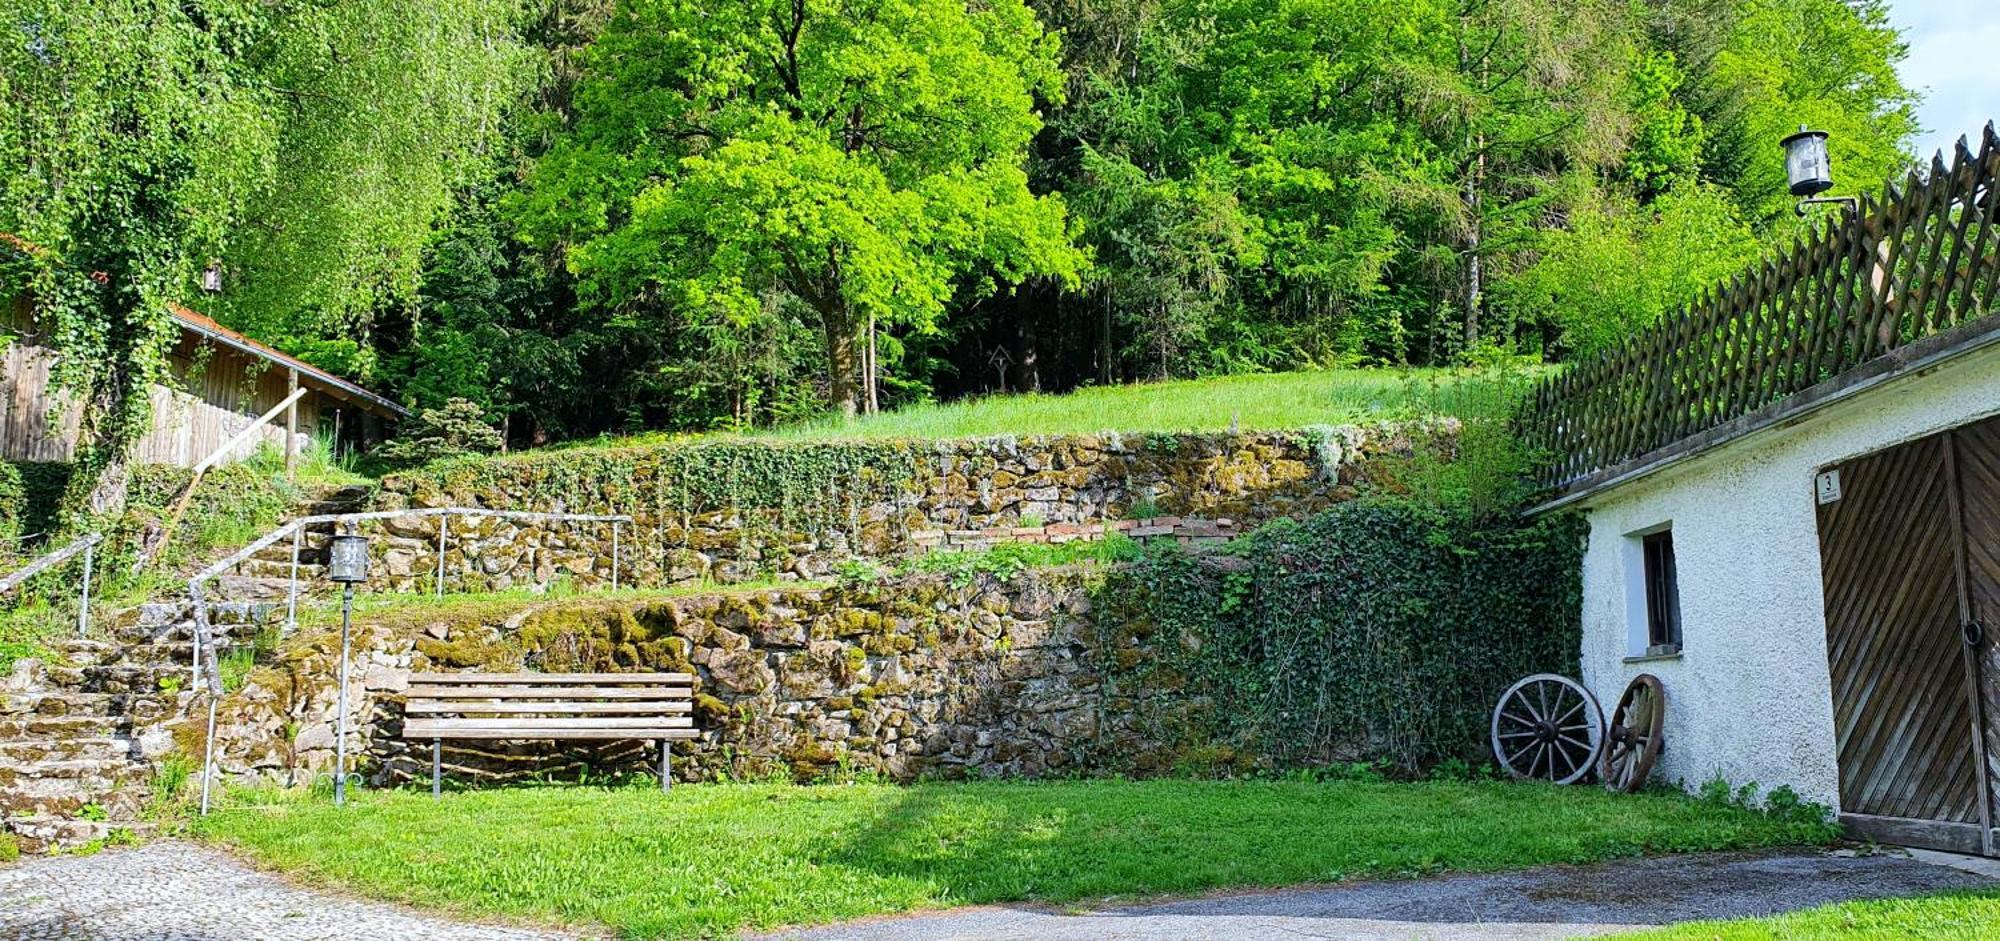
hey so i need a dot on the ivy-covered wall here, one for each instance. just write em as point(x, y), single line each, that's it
point(740, 509)
point(1379, 631)
point(1374, 632)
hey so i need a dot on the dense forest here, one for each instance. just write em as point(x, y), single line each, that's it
point(594, 216)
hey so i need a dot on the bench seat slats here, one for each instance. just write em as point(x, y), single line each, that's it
point(569, 679)
point(545, 692)
point(427, 728)
point(558, 734)
point(433, 707)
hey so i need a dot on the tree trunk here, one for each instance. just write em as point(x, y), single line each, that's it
point(1471, 297)
point(842, 365)
point(1031, 370)
point(872, 375)
point(1104, 352)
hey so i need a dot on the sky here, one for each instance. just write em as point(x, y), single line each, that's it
point(1953, 46)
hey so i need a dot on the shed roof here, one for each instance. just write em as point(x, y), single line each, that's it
point(205, 328)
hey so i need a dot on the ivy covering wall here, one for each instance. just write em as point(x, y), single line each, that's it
point(1377, 631)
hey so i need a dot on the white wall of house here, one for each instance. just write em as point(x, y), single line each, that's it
point(1749, 697)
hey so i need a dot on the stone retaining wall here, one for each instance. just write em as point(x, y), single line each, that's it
point(923, 676)
point(741, 510)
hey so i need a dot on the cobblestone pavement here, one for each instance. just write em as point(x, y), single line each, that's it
point(171, 891)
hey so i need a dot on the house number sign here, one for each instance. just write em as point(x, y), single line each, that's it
point(1828, 486)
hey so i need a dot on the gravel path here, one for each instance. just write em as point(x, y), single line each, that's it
point(172, 891)
point(1553, 902)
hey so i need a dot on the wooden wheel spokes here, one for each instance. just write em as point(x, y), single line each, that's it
point(1547, 727)
point(1634, 736)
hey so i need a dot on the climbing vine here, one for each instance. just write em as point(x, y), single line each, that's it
point(142, 141)
point(1377, 631)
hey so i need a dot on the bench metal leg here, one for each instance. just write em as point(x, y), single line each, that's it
point(666, 766)
point(437, 765)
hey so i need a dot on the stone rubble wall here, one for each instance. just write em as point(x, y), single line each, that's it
point(922, 676)
point(805, 507)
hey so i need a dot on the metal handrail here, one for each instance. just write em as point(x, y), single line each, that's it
point(86, 544)
point(203, 656)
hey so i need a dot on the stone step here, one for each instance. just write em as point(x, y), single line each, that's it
point(80, 748)
point(106, 653)
point(66, 791)
point(32, 726)
point(311, 573)
point(249, 588)
point(142, 708)
point(45, 833)
point(141, 679)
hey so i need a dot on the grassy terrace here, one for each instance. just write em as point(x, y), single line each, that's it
point(1270, 402)
point(711, 859)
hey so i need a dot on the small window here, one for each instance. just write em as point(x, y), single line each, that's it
point(1663, 596)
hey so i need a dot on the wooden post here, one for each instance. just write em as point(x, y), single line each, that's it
point(292, 425)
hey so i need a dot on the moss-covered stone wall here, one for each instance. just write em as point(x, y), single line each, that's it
point(922, 676)
point(737, 510)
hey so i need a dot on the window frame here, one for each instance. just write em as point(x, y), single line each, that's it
point(1660, 578)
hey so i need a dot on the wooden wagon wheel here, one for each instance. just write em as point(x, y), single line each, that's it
point(1633, 742)
point(1548, 727)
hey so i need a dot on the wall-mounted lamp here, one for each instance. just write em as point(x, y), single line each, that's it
point(211, 277)
point(1809, 171)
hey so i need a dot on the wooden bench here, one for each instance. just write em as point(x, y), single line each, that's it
point(549, 706)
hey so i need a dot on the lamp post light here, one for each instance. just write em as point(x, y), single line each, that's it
point(1809, 171)
point(346, 563)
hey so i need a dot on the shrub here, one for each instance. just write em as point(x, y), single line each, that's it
point(458, 429)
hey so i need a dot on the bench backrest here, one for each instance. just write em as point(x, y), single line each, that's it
point(550, 705)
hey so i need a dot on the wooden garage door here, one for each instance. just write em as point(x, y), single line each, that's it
point(1976, 449)
point(1906, 710)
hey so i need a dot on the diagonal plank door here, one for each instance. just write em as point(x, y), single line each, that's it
point(1977, 455)
point(1904, 723)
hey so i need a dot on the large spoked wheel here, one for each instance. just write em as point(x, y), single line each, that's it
point(1548, 727)
point(1633, 742)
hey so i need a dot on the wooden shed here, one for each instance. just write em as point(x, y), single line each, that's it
point(222, 382)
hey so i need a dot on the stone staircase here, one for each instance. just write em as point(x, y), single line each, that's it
point(83, 734)
point(266, 576)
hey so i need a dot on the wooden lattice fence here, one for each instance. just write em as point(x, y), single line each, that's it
point(1922, 260)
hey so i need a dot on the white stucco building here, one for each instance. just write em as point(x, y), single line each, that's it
point(1750, 677)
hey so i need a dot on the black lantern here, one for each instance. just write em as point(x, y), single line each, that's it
point(1807, 168)
point(347, 559)
point(211, 278)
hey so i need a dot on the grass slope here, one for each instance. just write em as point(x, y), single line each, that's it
point(1265, 402)
point(1956, 916)
point(711, 859)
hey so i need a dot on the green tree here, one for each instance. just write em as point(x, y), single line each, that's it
point(857, 161)
point(310, 149)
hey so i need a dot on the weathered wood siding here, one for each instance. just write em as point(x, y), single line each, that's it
point(216, 393)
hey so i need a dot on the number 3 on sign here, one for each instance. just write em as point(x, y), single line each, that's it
point(1828, 486)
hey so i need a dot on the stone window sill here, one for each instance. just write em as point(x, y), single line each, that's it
point(1654, 657)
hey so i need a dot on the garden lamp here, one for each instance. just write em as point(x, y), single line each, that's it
point(346, 563)
point(211, 278)
point(1809, 171)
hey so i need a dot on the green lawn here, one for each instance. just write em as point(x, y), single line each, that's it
point(1273, 402)
point(1268, 402)
point(1965, 916)
point(711, 859)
